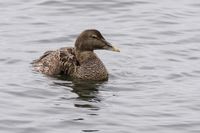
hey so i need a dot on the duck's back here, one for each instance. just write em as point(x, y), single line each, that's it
point(56, 62)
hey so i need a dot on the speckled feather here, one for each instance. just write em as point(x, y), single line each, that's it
point(56, 62)
point(91, 69)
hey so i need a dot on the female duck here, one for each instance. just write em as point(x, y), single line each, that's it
point(80, 62)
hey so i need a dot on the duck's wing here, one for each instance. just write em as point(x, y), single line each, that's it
point(56, 62)
point(48, 63)
point(34, 62)
point(68, 60)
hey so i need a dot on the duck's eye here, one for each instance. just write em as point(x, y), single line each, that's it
point(94, 36)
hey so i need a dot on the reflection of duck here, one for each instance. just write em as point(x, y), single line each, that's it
point(87, 92)
point(79, 62)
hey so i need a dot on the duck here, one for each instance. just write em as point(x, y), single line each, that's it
point(78, 62)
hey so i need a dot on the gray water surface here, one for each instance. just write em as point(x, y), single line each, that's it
point(153, 85)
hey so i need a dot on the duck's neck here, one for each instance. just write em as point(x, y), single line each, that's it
point(85, 56)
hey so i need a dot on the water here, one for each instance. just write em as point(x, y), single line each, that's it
point(153, 84)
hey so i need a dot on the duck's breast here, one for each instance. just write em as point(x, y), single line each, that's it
point(92, 70)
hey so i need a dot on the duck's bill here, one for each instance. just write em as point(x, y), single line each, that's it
point(110, 47)
point(115, 49)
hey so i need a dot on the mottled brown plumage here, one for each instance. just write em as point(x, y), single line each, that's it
point(79, 62)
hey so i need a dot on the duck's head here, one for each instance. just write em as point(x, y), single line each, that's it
point(92, 39)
